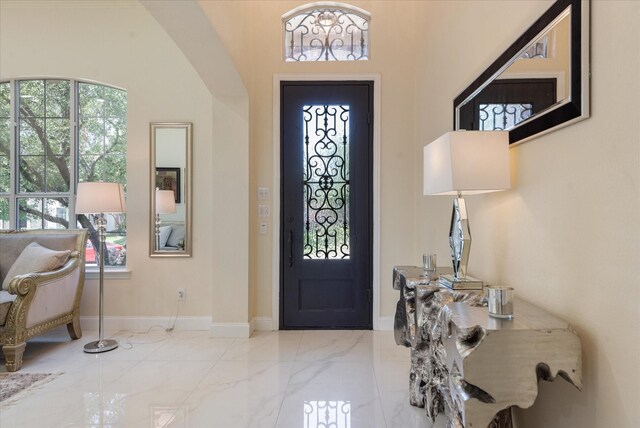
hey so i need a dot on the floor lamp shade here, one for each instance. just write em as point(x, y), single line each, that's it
point(465, 163)
point(98, 197)
point(165, 202)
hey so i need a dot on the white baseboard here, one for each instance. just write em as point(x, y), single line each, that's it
point(230, 329)
point(385, 323)
point(262, 324)
point(145, 323)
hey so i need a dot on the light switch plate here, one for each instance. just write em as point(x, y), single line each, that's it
point(263, 194)
point(264, 211)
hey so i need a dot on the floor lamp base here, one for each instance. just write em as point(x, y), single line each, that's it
point(100, 346)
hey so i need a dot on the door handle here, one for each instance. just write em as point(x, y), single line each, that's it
point(291, 248)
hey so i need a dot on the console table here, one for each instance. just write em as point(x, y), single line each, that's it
point(473, 367)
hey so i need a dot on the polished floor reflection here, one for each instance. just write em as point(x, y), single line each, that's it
point(292, 379)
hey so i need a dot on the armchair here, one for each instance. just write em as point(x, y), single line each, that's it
point(33, 303)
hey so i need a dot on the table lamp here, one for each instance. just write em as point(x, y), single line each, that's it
point(165, 204)
point(100, 198)
point(465, 163)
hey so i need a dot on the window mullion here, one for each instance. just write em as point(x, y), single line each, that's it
point(73, 155)
point(13, 154)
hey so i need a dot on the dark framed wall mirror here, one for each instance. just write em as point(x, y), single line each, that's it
point(539, 84)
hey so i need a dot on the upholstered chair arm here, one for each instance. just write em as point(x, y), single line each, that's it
point(47, 295)
point(20, 283)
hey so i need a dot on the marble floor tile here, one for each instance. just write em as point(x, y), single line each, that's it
point(321, 393)
point(265, 346)
point(186, 379)
point(338, 345)
point(239, 394)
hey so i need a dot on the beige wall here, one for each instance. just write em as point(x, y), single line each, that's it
point(255, 44)
point(119, 43)
point(567, 235)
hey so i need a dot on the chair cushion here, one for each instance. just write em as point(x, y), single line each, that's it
point(6, 299)
point(165, 231)
point(177, 234)
point(35, 258)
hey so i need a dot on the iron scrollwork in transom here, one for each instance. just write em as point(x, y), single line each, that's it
point(326, 34)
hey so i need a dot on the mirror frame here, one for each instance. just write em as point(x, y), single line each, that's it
point(563, 113)
point(186, 196)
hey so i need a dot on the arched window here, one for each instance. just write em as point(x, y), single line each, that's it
point(326, 32)
point(55, 133)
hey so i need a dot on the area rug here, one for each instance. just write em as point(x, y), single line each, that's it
point(13, 383)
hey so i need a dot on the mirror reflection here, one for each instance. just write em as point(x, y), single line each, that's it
point(538, 84)
point(537, 79)
point(170, 189)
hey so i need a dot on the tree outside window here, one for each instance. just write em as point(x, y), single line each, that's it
point(52, 154)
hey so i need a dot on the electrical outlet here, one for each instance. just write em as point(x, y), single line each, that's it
point(263, 228)
point(181, 293)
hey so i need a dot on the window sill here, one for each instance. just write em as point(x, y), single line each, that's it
point(93, 272)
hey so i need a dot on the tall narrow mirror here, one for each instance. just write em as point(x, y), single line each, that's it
point(170, 188)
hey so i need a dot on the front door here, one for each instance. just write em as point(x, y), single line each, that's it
point(326, 223)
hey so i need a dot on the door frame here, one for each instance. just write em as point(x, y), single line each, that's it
point(275, 192)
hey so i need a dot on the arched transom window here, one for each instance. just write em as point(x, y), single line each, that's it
point(326, 32)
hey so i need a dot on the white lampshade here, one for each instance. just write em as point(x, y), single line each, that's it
point(468, 162)
point(165, 202)
point(98, 197)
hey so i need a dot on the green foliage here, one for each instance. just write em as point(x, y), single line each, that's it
point(44, 147)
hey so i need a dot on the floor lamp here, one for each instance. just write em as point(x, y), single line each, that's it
point(100, 198)
point(165, 204)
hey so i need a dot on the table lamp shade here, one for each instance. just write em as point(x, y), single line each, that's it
point(467, 162)
point(165, 202)
point(98, 197)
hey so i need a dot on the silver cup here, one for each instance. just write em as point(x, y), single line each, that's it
point(500, 302)
point(429, 262)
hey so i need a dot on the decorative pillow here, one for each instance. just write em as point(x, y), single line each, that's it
point(165, 231)
point(35, 258)
point(177, 234)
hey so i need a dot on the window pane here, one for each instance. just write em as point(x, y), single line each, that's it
point(4, 213)
point(116, 135)
point(32, 98)
point(5, 174)
point(115, 239)
point(115, 168)
point(32, 133)
point(91, 136)
point(4, 100)
point(39, 213)
point(91, 100)
point(57, 173)
point(57, 98)
point(5, 138)
point(326, 182)
point(31, 174)
point(58, 136)
point(30, 213)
